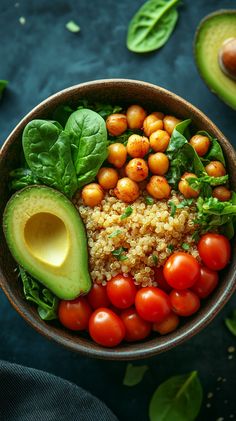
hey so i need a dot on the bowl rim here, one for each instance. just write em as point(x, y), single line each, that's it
point(132, 352)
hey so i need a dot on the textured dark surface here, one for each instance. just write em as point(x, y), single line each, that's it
point(42, 57)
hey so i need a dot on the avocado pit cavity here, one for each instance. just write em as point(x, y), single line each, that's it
point(227, 57)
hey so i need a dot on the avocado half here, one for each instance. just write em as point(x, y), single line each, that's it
point(46, 236)
point(212, 32)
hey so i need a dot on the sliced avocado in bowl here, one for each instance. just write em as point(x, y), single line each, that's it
point(215, 31)
point(46, 236)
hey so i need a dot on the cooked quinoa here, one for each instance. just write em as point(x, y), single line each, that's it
point(149, 231)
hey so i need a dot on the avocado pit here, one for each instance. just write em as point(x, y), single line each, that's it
point(227, 57)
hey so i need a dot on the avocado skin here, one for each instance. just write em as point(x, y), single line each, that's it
point(73, 278)
point(226, 93)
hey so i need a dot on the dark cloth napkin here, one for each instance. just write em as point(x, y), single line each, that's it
point(27, 394)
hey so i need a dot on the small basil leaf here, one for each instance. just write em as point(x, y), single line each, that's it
point(134, 374)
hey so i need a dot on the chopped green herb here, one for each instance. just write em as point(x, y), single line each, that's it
point(155, 259)
point(185, 203)
point(173, 208)
point(114, 233)
point(119, 253)
point(185, 246)
point(170, 247)
point(149, 200)
point(72, 26)
point(128, 211)
point(134, 374)
point(231, 323)
point(3, 84)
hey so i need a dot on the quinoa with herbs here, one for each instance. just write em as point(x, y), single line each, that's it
point(136, 238)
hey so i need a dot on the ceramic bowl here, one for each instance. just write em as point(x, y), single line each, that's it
point(124, 92)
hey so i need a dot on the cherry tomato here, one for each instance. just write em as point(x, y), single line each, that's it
point(206, 283)
point(214, 250)
point(136, 328)
point(74, 314)
point(184, 302)
point(97, 296)
point(152, 304)
point(106, 328)
point(169, 324)
point(121, 291)
point(181, 270)
point(161, 281)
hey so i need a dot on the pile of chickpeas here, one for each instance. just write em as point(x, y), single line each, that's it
point(134, 168)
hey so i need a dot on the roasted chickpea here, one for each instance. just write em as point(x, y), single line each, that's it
point(127, 190)
point(200, 143)
point(215, 169)
point(117, 154)
point(158, 163)
point(137, 169)
point(159, 115)
point(92, 194)
point(158, 187)
point(151, 124)
point(187, 191)
point(116, 124)
point(138, 146)
point(135, 116)
point(170, 122)
point(221, 193)
point(159, 140)
point(107, 178)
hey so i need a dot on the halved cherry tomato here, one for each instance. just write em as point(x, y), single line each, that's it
point(214, 250)
point(169, 324)
point(106, 328)
point(161, 281)
point(184, 302)
point(121, 291)
point(75, 314)
point(136, 327)
point(97, 296)
point(206, 283)
point(152, 304)
point(181, 270)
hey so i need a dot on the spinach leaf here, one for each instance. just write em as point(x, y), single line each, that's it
point(104, 110)
point(178, 398)
point(215, 152)
point(152, 25)
point(88, 135)
point(47, 151)
point(149, 200)
point(119, 253)
point(33, 291)
point(3, 85)
point(128, 211)
point(178, 138)
point(134, 374)
point(72, 26)
point(62, 113)
point(204, 183)
point(173, 208)
point(123, 138)
point(22, 177)
point(231, 323)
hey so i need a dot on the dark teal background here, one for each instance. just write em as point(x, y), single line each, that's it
point(42, 57)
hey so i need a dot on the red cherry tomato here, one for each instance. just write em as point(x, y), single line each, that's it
point(74, 314)
point(169, 324)
point(184, 302)
point(152, 304)
point(106, 328)
point(97, 296)
point(214, 250)
point(181, 270)
point(206, 283)
point(121, 291)
point(136, 328)
point(161, 281)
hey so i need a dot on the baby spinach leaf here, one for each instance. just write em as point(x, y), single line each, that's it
point(22, 177)
point(47, 302)
point(3, 85)
point(47, 151)
point(178, 138)
point(215, 152)
point(88, 135)
point(128, 211)
point(104, 110)
point(204, 183)
point(152, 25)
point(62, 113)
point(134, 374)
point(178, 398)
point(123, 138)
point(231, 323)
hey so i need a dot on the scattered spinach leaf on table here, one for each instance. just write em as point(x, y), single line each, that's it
point(3, 85)
point(231, 323)
point(178, 398)
point(152, 25)
point(134, 374)
point(47, 302)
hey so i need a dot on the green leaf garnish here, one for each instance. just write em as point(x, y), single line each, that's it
point(155, 259)
point(128, 211)
point(134, 374)
point(119, 253)
point(115, 233)
point(170, 247)
point(149, 200)
point(173, 208)
point(185, 246)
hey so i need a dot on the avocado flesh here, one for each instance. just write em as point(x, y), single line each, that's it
point(46, 236)
point(211, 34)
